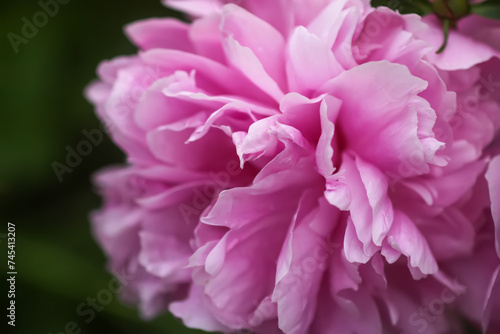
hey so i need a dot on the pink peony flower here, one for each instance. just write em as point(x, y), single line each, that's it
point(305, 167)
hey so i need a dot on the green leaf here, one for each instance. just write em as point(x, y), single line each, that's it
point(451, 9)
point(489, 9)
point(420, 7)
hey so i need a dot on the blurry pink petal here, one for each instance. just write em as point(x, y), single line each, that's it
point(160, 33)
point(493, 177)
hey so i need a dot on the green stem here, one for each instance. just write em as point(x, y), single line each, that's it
point(446, 30)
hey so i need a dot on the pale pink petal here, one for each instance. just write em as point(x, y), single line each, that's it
point(493, 177)
point(266, 43)
point(160, 33)
point(405, 237)
point(393, 141)
point(310, 62)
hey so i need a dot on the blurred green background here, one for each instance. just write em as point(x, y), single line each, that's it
point(42, 111)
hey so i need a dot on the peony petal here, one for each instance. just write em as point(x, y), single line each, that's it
point(493, 177)
point(407, 239)
point(310, 62)
point(380, 122)
point(462, 52)
point(163, 256)
point(265, 42)
point(160, 33)
point(355, 312)
point(246, 61)
point(329, 110)
point(370, 208)
point(206, 38)
point(212, 76)
point(195, 7)
point(308, 254)
point(170, 145)
point(194, 313)
point(490, 321)
point(450, 235)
